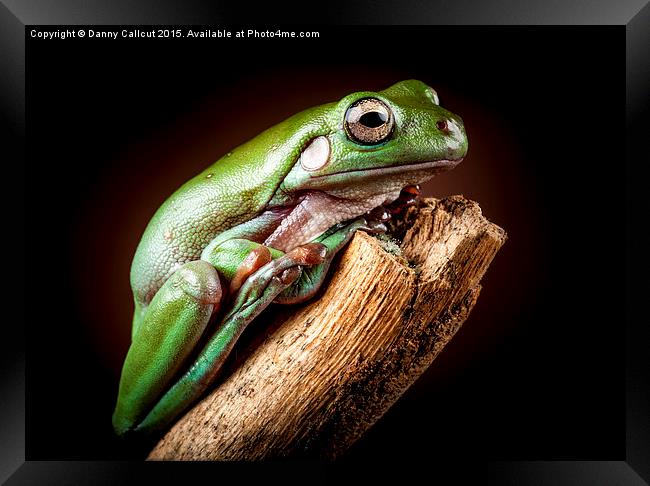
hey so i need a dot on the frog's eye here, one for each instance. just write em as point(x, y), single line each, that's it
point(369, 121)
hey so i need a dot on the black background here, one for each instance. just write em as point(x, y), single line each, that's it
point(536, 373)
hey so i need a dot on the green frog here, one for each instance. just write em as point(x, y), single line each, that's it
point(262, 225)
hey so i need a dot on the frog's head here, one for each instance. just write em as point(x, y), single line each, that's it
point(394, 137)
point(369, 146)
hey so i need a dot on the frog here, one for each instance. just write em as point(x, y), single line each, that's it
point(261, 226)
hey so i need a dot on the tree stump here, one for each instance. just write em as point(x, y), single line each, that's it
point(322, 373)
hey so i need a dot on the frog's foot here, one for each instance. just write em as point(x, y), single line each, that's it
point(169, 330)
point(256, 285)
point(256, 293)
point(312, 277)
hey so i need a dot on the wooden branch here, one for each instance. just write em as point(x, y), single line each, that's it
point(324, 372)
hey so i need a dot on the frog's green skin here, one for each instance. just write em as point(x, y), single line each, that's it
point(271, 214)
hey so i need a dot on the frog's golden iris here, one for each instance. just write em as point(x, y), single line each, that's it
point(369, 121)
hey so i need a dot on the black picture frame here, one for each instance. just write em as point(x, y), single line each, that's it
point(634, 17)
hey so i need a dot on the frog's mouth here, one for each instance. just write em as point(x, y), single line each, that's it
point(327, 200)
point(353, 175)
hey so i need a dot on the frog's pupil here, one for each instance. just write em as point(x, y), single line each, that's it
point(373, 119)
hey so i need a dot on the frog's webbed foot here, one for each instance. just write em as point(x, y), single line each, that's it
point(312, 277)
point(255, 294)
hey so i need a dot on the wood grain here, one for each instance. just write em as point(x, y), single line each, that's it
point(321, 374)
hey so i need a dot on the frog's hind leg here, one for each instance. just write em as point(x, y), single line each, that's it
point(164, 335)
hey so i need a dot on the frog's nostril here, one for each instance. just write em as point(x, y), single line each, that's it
point(442, 125)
